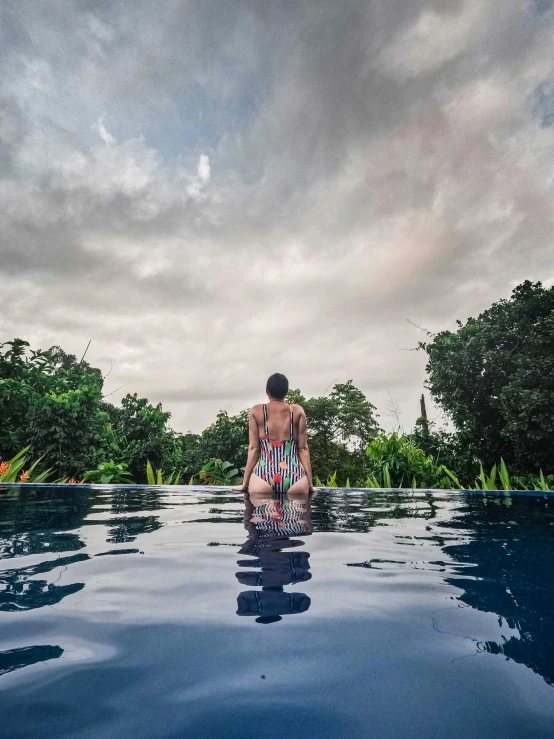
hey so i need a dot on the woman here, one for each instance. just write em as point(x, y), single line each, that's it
point(278, 455)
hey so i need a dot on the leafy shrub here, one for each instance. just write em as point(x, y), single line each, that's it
point(109, 473)
point(396, 461)
point(216, 472)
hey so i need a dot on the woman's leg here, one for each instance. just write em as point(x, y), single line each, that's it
point(258, 485)
point(300, 487)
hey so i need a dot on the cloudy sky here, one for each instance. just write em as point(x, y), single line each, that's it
point(215, 191)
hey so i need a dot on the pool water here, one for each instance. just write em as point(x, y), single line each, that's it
point(192, 612)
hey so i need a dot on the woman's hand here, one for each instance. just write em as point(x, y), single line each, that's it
point(242, 488)
point(311, 489)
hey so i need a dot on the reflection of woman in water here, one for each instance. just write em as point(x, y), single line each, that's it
point(278, 455)
point(275, 517)
point(270, 523)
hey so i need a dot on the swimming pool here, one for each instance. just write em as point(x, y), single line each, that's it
point(192, 612)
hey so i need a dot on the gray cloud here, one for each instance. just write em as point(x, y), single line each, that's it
point(214, 193)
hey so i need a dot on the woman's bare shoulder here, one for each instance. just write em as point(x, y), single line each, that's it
point(297, 408)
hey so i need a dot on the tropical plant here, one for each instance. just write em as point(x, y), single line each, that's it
point(172, 479)
point(13, 470)
point(543, 484)
point(217, 472)
point(109, 473)
point(380, 479)
point(396, 462)
point(497, 479)
point(331, 482)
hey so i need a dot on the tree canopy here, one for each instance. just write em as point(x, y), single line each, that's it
point(494, 377)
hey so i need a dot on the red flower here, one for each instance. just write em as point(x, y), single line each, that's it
point(278, 478)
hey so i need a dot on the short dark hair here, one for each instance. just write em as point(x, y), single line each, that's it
point(277, 386)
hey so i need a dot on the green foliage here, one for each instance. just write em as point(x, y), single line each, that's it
point(66, 426)
point(13, 470)
point(216, 472)
point(109, 473)
point(397, 462)
point(504, 475)
point(495, 378)
point(331, 482)
point(227, 438)
point(487, 482)
point(452, 476)
point(158, 479)
point(141, 433)
point(447, 448)
point(542, 484)
point(379, 479)
point(387, 451)
point(190, 453)
point(339, 428)
point(50, 402)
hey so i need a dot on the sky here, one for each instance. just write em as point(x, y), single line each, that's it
point(211, 192)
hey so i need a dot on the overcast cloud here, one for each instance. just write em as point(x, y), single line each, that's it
point(216, 191)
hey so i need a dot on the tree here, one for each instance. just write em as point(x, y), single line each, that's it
point(140, 434)
point(22, 376)
point(226, 439)
point(494, 376)
point(340, 426)
point(66, 427)
point(50, 401)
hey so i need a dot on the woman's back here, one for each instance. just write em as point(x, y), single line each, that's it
point(278, 420)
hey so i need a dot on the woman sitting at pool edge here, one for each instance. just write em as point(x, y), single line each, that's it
point(278, 455)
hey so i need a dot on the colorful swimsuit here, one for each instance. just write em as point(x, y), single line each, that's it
point(279, 463)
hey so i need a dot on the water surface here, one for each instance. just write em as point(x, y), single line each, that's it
point(185, 612)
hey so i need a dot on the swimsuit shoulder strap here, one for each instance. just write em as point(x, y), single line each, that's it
point(291, 426)
point(266, 431)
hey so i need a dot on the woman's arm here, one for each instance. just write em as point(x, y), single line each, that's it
point(253, 452)
point(303, 451)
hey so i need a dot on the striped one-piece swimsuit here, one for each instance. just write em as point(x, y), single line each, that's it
point(279, 463)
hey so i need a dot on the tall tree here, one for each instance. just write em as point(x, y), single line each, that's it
point(494, 376)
